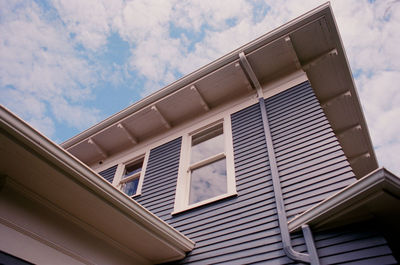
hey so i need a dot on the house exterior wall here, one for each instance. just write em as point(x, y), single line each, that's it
point(310, 161)
point(36, 231)
point(158, 191)
point(361, 243)
point(244, 228)
point(109, 173)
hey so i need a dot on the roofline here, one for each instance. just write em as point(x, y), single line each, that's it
point(353, 90)
point(380, 176)
point(203, 71)
point(86, 177)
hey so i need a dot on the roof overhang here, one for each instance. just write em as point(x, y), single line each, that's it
point(375, 196)
point(41, 169)
point(309, 43)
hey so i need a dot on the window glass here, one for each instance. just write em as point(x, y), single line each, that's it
point(130, 187)
point(206, 169)
point(133, 168)
point(208, 181)
point(130, 180)
point(207, 143)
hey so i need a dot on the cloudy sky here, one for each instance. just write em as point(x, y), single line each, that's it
point(67, 64)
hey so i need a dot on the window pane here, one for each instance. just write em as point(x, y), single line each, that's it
point(207, 143)
point(130, 186)
point(133, 168)
point(208, 181)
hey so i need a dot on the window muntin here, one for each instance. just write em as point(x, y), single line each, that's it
point(130, 187)
point(207, 143)
point(208, 164)
point(208, 181)
point(133, 169)
point(206, 171)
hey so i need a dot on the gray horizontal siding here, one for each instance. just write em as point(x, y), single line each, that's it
point(312, 166)
point(305, 146)
point(159, 183)
point(357, 244)
point(108, 174)
point(244, 229)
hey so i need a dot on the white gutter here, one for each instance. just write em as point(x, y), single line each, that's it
point(86, 177)
point(377, 179)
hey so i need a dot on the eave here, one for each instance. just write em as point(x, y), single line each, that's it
point(375, 196)
point(309, 43)
point(42, 170)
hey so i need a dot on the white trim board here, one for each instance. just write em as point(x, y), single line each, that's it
point(339, 207)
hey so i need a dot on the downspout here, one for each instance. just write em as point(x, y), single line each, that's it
point(312, 256)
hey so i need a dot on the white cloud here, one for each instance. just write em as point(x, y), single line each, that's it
point(158, 55)
point(170, 38)
point(74, 115)
point(371, 36)
point(29, 107)
point(193, 15)
point(39, 66)
point(44, 125)
point(90, 20)
point(143, 19)
point(381, 100)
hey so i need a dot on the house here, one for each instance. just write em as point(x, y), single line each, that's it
point(262, 156)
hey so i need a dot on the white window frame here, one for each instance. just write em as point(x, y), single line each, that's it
point(185, 167)
point(120, 172)
point(198, 123)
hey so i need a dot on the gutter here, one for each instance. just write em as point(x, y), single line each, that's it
point(378, 180)
point(86, 177)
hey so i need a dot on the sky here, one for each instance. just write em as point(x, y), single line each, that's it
point(67, 64)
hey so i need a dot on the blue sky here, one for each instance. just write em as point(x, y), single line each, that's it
point(67, 64)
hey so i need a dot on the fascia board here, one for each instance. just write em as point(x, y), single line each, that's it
point(352, 87)
point(86, 177)
point(281, 31)
point(376, 181)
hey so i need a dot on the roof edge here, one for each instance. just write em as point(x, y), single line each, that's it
point(379, 177)
point(86, 177)
point(203, 71)
point(354, 91)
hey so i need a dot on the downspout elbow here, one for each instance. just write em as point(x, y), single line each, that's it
point(294, 255)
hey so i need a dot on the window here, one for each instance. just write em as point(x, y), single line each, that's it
point(130, 180)
point(129, 176)
point(206, 167)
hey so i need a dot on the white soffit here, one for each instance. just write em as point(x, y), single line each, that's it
point(310, 42)
point(48, 172)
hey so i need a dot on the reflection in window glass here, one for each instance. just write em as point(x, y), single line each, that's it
point(130, 180)
point(130, 187)
point(207, 143)
point(133, 168)
point(208, 181)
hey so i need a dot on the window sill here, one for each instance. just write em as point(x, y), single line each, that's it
point(131, 196)
point(208, 201)
point(135, 195)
